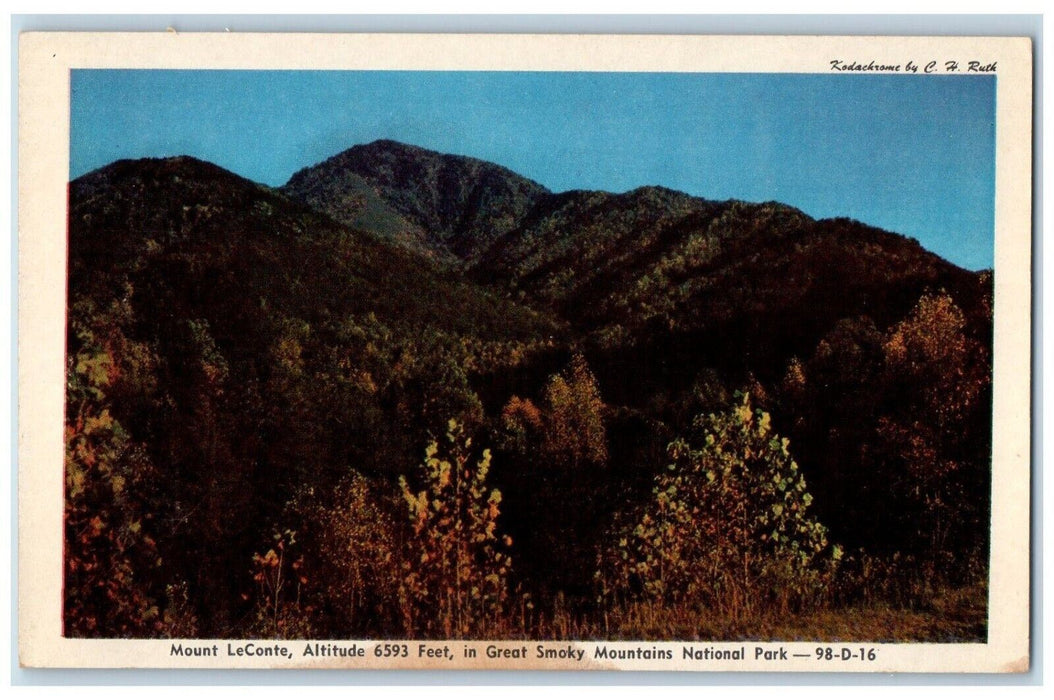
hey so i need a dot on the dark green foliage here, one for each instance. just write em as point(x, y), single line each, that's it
point(910, 472)
point(655, 280)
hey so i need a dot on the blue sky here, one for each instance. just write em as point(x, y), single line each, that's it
point(912, 154)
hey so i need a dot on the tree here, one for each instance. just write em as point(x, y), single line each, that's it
point(939, 379)
point(930, 349)
point(112, 563)
point(455, 574)
point(521, 424)
point(281, 611)
point(828, 404)
point(574, 426)
point(727, 527)
point(357, 550)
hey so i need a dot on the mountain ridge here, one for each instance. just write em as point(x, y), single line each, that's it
point(143, 209)
point(643, 265)
point(372, 165)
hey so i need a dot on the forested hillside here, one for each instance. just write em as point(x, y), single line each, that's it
point(415, 394)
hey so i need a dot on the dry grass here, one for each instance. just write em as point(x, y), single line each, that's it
point(953, 615)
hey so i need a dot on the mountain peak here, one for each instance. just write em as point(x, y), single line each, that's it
point(160, 170)
point(394, 146)
point(435, 201)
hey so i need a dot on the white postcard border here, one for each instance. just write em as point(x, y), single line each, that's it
point(45, 62)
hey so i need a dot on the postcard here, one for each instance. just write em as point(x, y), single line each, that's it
point(382, 351)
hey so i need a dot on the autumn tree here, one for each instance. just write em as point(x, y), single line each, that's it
point(555, 455)
point(930, 350)
point(455, 574)
point(939, 379)
point(727, 528)
point(521, 424)
point(112, 563)
point(281, 609)
point(358, 542)
point(574, 421)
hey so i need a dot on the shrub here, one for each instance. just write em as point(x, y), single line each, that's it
point(280, 611)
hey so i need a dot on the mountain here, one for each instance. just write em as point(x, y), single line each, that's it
point(681, 279)
point(251, 365)
point(186, 221)
point(424, 199)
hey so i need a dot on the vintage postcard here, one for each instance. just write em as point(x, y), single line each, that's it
point(673, 353)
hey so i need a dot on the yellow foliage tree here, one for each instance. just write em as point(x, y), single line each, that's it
point(359, 555)
point(455, 577)
point(574, 426)
point(727, 528)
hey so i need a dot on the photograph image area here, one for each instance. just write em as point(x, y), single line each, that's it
point(482, 355)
